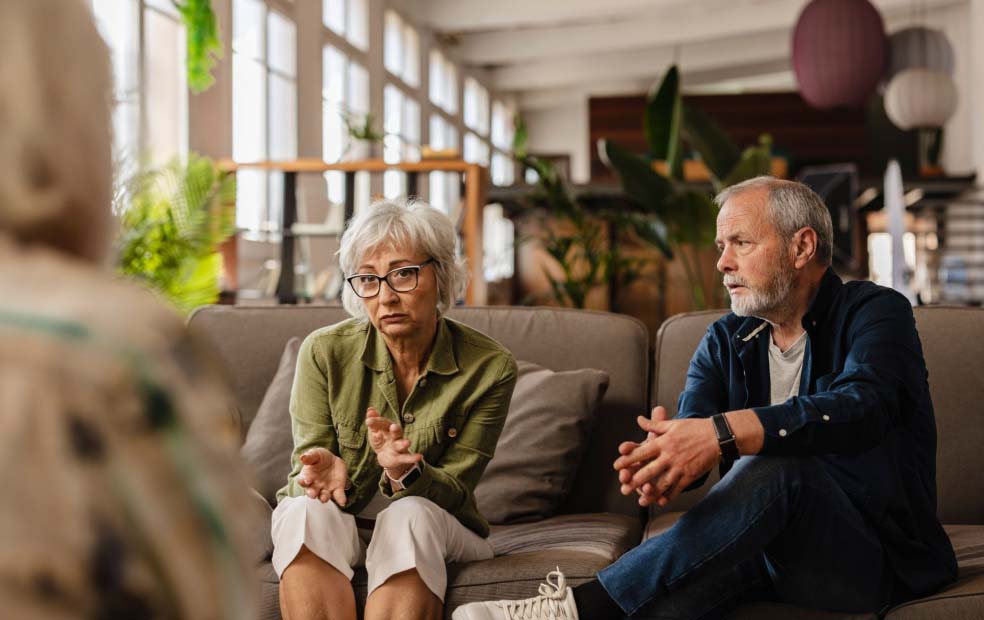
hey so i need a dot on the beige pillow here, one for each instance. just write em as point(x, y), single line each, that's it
point(546, 432)
point(269, 441)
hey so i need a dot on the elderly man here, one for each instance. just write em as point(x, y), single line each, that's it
point(812, 398)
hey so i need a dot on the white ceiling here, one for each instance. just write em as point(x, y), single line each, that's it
point(543, 51)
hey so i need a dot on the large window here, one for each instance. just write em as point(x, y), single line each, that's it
point(402, 141)
point(402, 49)
point(476, 109)
point(264, 44)
point(150, 120)
point(445, 189)
point(348, 19)
point(443, 82)
point(503, 168)
point(345, 93)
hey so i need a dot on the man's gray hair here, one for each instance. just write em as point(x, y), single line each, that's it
point(56, 144)
point(791, 206)
point(415, 225)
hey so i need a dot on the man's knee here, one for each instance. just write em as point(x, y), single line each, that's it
point(764, 470)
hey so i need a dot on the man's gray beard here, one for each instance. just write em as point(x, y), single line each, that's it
point(769, 302)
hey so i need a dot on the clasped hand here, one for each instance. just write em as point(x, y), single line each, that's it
point(391, 448)
point(674, 454)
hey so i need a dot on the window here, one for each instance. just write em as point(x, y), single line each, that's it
point(150, 119)
point(348, 19)
point(264, 46)
point(503, 169)
point(443, 82)
point(345, 90)
point(445, 187)
point(476, 150)
point(402, 49)
point(498, 233)
point(476, 106)
point(402, 141)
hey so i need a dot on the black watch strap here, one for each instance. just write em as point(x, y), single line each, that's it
point(726, 438)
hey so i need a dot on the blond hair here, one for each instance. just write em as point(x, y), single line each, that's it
point(56, 143)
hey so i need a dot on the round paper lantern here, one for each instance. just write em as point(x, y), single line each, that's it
point(919, 48)
point(920, 98)
point(839, 51)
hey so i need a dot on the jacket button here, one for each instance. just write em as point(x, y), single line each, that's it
point(408, 418)
point(452, 432)
point(826, 418)
point(782, 432)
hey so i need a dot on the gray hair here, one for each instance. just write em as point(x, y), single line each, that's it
point(389, 224)
point(791, 206)
point(56, 143)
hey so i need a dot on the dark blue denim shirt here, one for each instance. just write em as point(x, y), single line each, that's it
point(863, 409)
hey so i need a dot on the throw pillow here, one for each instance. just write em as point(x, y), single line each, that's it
point(269, 441)
point(545, 434)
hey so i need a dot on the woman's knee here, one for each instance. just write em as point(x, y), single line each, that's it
point(411, 509)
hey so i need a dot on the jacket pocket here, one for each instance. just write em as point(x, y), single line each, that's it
point(351, 438)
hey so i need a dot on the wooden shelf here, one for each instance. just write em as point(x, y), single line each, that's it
point(476, 181)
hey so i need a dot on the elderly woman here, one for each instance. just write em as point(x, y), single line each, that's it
point(123, 496)
point(395, 414)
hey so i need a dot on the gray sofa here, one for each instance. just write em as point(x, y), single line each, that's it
point(595, 524)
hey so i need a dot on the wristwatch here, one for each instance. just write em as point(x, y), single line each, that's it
point(407, 479)
point(726, 438)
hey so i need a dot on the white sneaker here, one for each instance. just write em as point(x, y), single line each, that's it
point(556, 602)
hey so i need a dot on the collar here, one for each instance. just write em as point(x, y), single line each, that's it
point(830, 286)
point(376, 355)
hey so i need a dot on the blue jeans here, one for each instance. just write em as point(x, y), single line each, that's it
point(774, 528)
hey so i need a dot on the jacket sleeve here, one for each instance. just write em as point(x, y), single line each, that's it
point(705, 392)
point(450, 483)
point(310, 413)
point(852, 410)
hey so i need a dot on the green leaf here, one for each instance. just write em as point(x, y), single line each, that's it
point(650, 229)
point(520, 144)
point(755, 161)
point(717, 150)
point(662, 120)
point(694, 217)
point(641, 183)
point(203, 45)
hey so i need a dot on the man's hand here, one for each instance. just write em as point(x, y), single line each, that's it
point(675, 453)
point(392, 450)
point(324, 475)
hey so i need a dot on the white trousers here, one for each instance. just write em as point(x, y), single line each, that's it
point(412, 532)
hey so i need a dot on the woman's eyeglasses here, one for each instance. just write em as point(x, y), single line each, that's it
point(402, 280)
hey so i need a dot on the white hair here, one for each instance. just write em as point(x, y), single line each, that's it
point(56, 143)
point(415, 225)
point(791, 206)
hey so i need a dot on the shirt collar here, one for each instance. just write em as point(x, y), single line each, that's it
point(830, 285)
point(442, 361)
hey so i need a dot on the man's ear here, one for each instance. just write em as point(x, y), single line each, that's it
point(804, 246)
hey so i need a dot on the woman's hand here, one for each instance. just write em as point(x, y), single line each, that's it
point(392, 450)
point(324, 475)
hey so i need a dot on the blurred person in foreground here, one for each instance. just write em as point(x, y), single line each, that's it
point(122, 496)
point(395, 414)
point(812, 398)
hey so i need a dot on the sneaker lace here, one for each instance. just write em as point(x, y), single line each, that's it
point(550, 603)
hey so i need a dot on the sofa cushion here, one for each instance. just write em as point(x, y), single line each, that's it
point(269, 442)
point(545, 434)
point(606, 535)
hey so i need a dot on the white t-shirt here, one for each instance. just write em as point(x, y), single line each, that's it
point(785, 369)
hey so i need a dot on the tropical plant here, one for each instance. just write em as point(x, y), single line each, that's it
point(685, 213)
point(203, 45)
point(171, 225)
point(584, 249)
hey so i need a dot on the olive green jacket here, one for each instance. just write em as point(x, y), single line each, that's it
point(453, 415)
